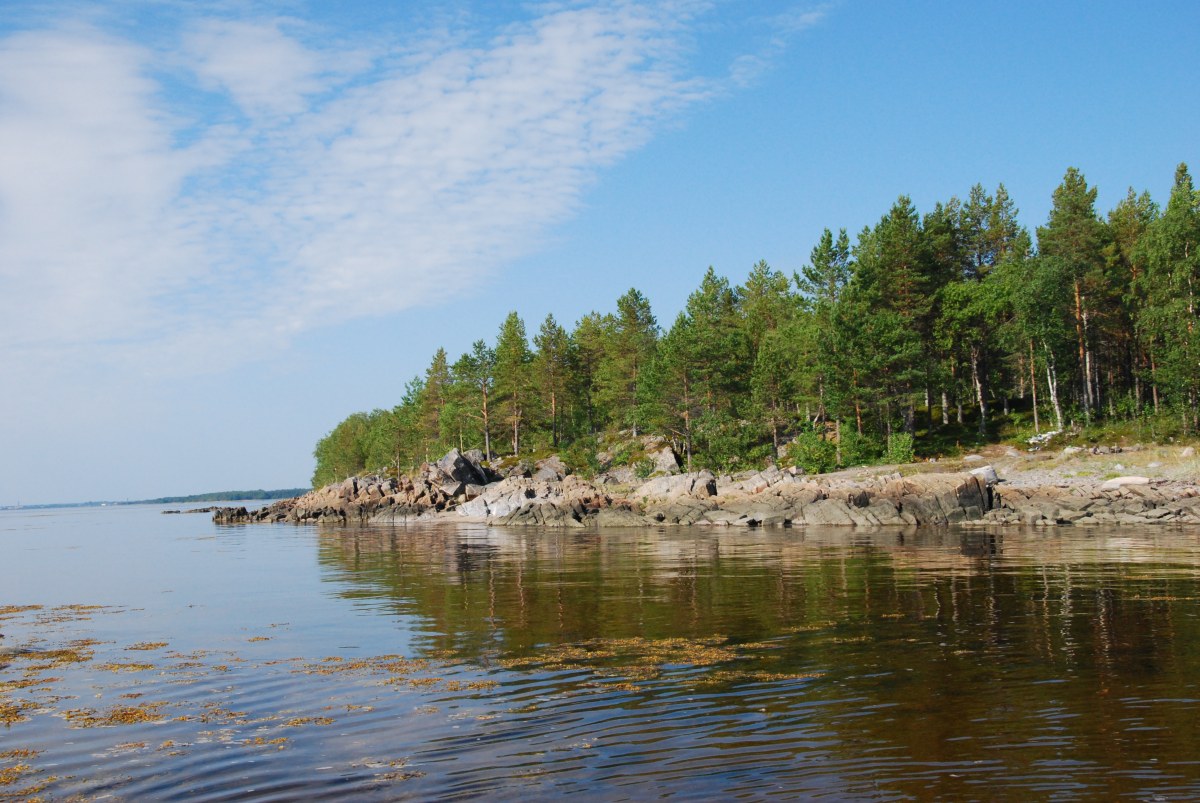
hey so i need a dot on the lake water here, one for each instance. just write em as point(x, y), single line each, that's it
point(172, 658)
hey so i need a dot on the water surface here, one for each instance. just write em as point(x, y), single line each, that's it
point(174, 658)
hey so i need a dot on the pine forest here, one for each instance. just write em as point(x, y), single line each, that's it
point(925, 334)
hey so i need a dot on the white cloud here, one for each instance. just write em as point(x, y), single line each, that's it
point(265, 71)
point(348, 183)
point(88, 182)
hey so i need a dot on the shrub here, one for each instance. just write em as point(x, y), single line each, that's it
point(859, 450)
point(899, 448)
point(814, 454)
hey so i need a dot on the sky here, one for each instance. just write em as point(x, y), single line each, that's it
point(226, 226)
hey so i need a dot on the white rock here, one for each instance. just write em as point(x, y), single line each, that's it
point(987, 474)
point(1120, 482)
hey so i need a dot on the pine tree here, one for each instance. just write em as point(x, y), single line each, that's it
point(1171, 250)
point(512, 376)
point(1075, 235)
point(629, 347)
point(552, 369)
point(475, 374)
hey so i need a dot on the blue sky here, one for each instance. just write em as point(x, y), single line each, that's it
point(226, 226)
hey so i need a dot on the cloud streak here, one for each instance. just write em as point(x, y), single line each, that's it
point(247, 186)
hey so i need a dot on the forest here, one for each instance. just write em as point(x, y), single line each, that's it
point(926, 334)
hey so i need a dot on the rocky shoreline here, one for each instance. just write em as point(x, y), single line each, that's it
point(463, 488)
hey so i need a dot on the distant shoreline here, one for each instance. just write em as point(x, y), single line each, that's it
point(215, 496)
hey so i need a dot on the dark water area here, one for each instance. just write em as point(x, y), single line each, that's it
point(165, 658)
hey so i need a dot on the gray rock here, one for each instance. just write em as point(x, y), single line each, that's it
point(456, 466)
point(551, 469)
point(619, 517)
point(665, 461)
point(1121, 482)
point(829, 513)
point(1187, 451)
point(699, 483)
point(987, 474)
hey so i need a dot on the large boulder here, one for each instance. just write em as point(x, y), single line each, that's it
point(550, 469)
point(456, 466)
point(698, 484)
point(665, 461)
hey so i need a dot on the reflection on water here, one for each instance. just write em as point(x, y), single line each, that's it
point(458, 662)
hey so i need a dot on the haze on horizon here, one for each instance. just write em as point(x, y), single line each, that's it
point(224, 229)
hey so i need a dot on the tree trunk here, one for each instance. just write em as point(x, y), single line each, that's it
point(487, 434)
point(980, 396)
point(1033, 387)
point(1052, 386)
point(1079, 335)
point(945, 409)
point(1154, 383)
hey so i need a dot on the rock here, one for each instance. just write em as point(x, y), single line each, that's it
point(551, 469)
point(828, 512)
point(1121, 482)
point(231, 515)
point(972, 458)
point(699, 483)
point(456, 466)
point(619, 517)
point(987, 474)
point(1187, 451)
point(665, 461)
point(1070, 450)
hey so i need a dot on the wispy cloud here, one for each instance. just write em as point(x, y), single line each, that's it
point(250, 186)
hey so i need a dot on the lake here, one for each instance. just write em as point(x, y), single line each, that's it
point(170, 658)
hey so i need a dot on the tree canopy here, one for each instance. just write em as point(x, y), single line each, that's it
point(924, 325)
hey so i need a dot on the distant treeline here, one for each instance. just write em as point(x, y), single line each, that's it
point(226, 496)
point(924, 324)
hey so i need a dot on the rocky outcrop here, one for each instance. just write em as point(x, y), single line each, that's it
point(462, 488)
point(1124, 500)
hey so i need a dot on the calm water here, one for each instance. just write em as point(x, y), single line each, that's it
point(275, 662)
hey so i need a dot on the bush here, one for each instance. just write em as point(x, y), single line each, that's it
point(814, 454)
point(899, 448)
point(643, 468)
point(859, 450)
point(580, 456)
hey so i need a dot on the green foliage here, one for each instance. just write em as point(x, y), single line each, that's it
point(580, 456)
point(899, 448)
point(643, 468)
point(859, 450)
point(813, 453)
point(1099, 326)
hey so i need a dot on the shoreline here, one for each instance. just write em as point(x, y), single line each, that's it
point(1000, 487)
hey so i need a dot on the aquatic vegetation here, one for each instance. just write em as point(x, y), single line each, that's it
point(118, 667)
point(117, 715)
point(296, 722)
point(147, 645)
point(8, 611)
point(11, 713)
